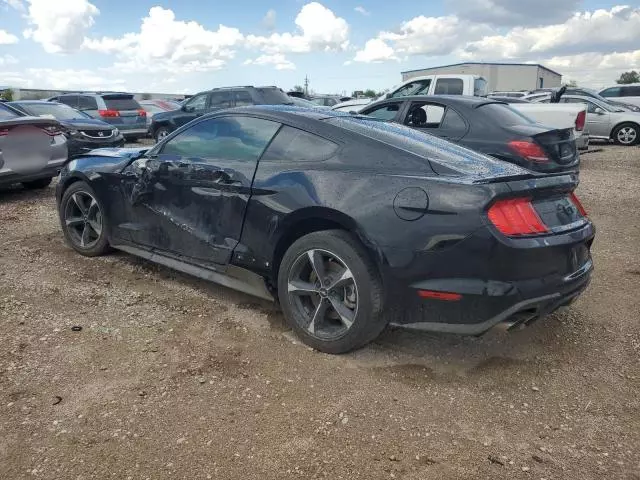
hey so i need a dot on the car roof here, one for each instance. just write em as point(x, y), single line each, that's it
point(34, 102)
point(460, 100)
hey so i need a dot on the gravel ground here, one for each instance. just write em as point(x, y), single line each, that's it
point(173, 378)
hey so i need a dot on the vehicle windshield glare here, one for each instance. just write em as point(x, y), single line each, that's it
point(58, 110)
point(505, 114)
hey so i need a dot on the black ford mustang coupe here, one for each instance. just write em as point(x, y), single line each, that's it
point(350, 222)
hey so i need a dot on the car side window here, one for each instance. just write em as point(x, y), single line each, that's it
point(449, 86)
point(243, 98)
point(221, 100)
point(197, 104)
point(611, 92)
point(87, 103)
point(453, 122)
point(385, 112)
point(233, 139)
point(424, 115)
point(630, 91)
point(419, 87)
point(71, 100)
point(295, 145)
point(591, 107)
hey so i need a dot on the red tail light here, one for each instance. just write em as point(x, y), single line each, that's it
point(576, 201)
point(516, 216)
point(434, 295)
point(4, 132)
point(52, 130)
point(529, 150)
point(580, 120)
point(108, 113)
point(142, 112)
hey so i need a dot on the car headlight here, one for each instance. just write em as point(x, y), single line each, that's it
point(116, 132)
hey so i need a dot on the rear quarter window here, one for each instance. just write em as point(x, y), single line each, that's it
point(449, 86)
point(630, 91)
point(87, 103)
point(121, 103)
point(504, 114)
point(6, 113)
point(294, 145)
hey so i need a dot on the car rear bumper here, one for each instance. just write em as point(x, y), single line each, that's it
point(10, 177)
point(131, 132)
point(488, 282)
point(582, 142)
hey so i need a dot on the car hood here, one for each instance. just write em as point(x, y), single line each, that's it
point(29, 121)
point(104, 160)
point(86, 124)
point(164, 115)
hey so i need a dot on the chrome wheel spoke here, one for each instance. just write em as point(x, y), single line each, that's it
point(345, 278)
point(299, 287)
point(318, 315)
point(85, 238)
point(79, 203)
point(95, 226)
point(317, 263)
point(74, 221)
point(345, 313)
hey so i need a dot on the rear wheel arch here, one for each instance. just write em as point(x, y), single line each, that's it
point(315, 220)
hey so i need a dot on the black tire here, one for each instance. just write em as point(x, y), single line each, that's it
point(37, 184)
point(632, 131)
point(345, 251)
point(71, 215)
point(160, 133)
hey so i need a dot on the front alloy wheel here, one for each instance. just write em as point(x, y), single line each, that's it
point(82, 220)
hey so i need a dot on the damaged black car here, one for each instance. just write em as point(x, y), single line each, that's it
point(349, 222)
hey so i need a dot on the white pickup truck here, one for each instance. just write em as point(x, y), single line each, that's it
point(559, 115)
point(450, 84)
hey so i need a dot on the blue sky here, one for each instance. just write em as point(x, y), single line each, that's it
point(189, 45)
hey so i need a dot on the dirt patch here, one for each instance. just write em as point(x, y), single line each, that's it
point(172, 377)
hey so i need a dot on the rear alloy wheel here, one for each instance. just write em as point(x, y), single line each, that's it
point(330, 292)
point(82, 220)
point(626, 134)
point(37, 184)
point(161, 133)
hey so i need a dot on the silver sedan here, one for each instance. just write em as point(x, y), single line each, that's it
point(32, 149)
point(605, 121)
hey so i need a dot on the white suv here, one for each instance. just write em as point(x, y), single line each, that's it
point(624, 93)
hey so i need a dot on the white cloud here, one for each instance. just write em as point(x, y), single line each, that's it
point(60, 26)
point(594, 69)
point(604, 31)
point(7, 38)
point(164, 43)
point(375, 51)
point(278, 60)
point(6, 60)
point(319, 29)
point(360, 9)
point(269, 20)
point(509, 13)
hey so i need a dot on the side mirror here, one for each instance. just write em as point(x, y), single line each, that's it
point(599, 111)
point(185, 108)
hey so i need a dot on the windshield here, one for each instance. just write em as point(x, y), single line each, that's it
point(57, 110)
point(274, 96)
point(6, 113)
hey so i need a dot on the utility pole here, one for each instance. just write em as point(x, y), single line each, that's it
point(306, 85)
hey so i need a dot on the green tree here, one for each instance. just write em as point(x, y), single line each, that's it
point(146, 96)
point(7, 95)
point(298, 88)
point(572, 83)
point(629, 77)
point(370, 93)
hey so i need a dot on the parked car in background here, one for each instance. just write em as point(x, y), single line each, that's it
point(453, 84)
point(157, 106)
point(83, 132)
point(509, 100)
point(354, 105)
point(119, 109)
point(326, 100)
point(605, 121)
point(303, 102)
point(507, 94)
point(486, 126)
point(557, 115)
point(32, 149)
point(351, 223)
point(629, 93)
point(582, 92)
point(163, 124)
